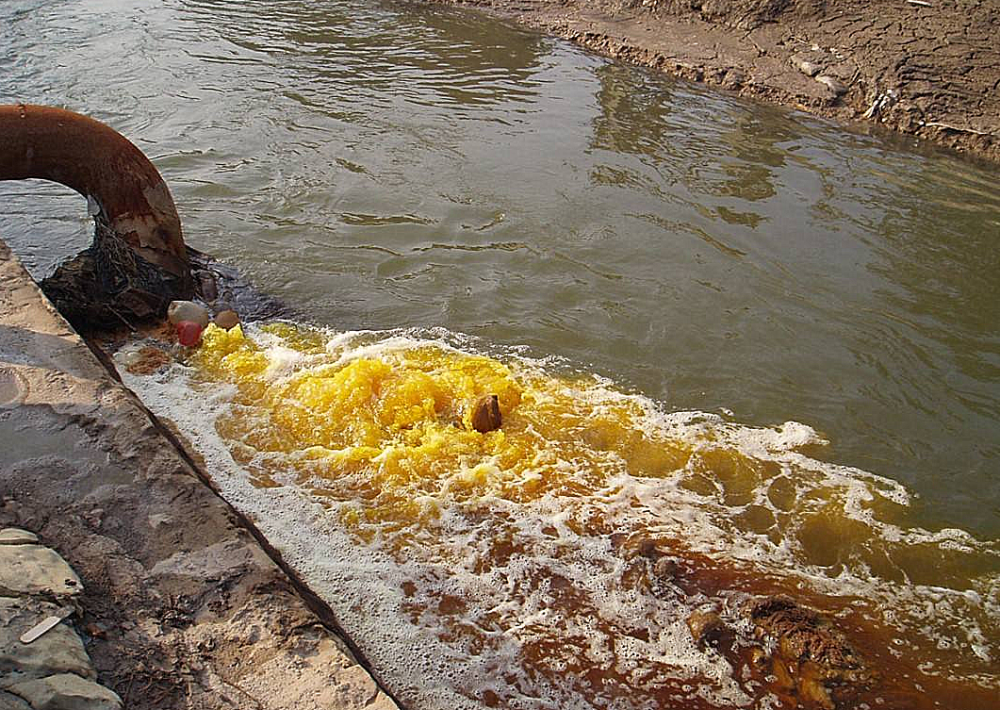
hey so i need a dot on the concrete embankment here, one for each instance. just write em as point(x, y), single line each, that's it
point(180, 604)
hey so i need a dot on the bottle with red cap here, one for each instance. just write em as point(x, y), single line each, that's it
point(190, 319)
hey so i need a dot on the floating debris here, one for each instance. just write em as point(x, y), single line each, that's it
point(47, 624)
point(190, 319)
point(705, 627)
point(179, 311)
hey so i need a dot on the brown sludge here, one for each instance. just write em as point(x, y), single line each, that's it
point(789, 650)
point(148, 360)
point(811, 657)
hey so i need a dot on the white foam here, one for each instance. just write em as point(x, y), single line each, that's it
point(513, 603)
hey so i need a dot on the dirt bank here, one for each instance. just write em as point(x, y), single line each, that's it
point(928, 68)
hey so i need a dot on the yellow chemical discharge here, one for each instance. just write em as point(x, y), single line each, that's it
point(395, 431)
point(387, 436)
point(558, 511)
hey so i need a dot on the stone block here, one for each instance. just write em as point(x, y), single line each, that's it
point(57, 651)
point(36, 570)
point(16, 536)
point(12, 702)
point(66, 692)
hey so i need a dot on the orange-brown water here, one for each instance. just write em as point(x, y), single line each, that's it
point(564, 551)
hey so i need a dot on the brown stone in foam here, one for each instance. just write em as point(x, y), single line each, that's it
point(486, 414)
point(227, 319)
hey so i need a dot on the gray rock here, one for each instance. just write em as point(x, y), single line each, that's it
point(16, 536)
point(57, 651)
point(13, 388)
point(36, 570)
point(67, 692)
point(833, 84)
point(805, 66)
point(12, 702)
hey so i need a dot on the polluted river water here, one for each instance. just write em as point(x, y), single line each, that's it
point(738, 352)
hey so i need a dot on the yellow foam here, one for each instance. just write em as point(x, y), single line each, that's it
point(388, 438)
point(382, 434)
point(397, 426)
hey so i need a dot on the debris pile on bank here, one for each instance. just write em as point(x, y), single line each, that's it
point(43, 664)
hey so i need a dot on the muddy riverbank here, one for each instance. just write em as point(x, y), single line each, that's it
point(923, 68)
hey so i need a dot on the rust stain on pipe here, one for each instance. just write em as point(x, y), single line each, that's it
point(99, 163)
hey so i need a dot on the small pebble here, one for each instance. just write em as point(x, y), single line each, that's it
point(834, 85)
point(805, 66)
point(227, 319)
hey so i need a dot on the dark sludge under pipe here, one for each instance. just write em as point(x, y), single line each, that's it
point(138, 262)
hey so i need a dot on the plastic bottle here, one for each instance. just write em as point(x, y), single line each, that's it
point(179, 311)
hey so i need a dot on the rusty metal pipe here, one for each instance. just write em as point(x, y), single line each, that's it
point(101, 164)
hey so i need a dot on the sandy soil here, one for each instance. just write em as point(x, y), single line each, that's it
point(928, 68)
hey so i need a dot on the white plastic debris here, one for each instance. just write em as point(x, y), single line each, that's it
point(180, 311)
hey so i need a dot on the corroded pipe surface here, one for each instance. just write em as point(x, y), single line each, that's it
point(99, 163)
